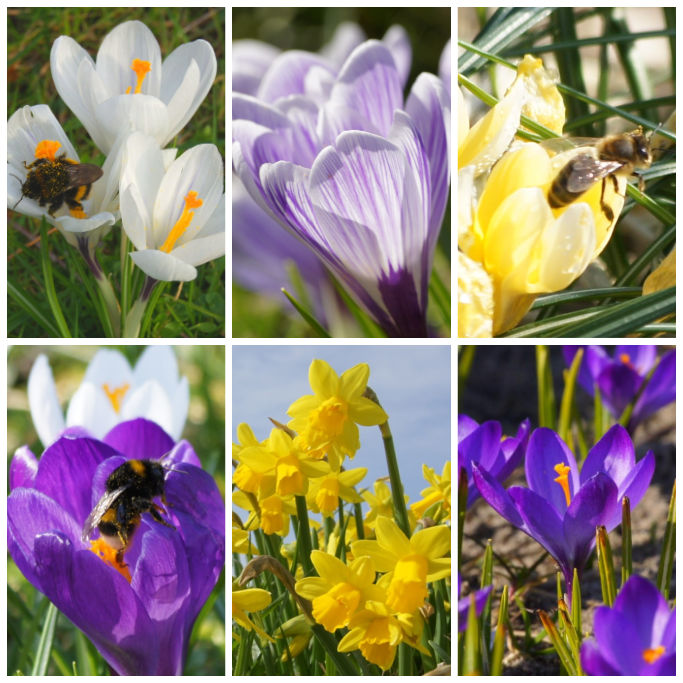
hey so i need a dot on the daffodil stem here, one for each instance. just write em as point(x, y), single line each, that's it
point(358, 514)
point(303, 538)
point(395, 478)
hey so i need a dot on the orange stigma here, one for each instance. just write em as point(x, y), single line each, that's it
point(652, 654)
point(46, 149)
point(141, 68)
point(116, 395)
point(563, 479)
point(192, 201)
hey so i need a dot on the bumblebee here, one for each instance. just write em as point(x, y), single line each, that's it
point(59, 181)
point(615, 155)
point(129, 492)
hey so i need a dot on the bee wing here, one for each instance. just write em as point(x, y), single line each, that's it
point(82, 174)
point(587, 170)
point(557, 145)
point(103, 504)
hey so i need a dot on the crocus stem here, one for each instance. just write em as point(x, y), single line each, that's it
point(134, 317)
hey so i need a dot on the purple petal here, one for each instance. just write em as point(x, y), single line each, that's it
point(618, 384)
point(613, 454)
point(643, 605)
point(641, 357)
point(287, 74)
point(546, 450)
point(369, 83)
point(543, 523)
point(592, 661)
point(481, 446)
point(139, 439)
point(635, 485)
point(659, 391)
point(594, 504)
point(497, 497)
point(619, 641)
point(480, 598)
point(514, 449)
point(23, 468)
point(250, 61)
point(398, 42)
point(429, 107)
point(66, 470)
point(466, 425)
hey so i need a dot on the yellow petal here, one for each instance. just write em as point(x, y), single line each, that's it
point(323, 379)
point(384, 562)
point(432, 542)
point(352, 383)
point(663, 276)
point(329, 567)
point(475, 299)
point(391, 538)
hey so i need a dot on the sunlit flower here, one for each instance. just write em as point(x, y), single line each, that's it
point(250, 600)
point(366, 186)
point(325, 492)
point(128, 87)
point(561, 507)
point(140, 626)
point(112, 392)
point(338, 590)
point(437, 493)
point(635, 637)
point(34, 133)
point(633, 373)
point(327, 421)
point(413, 561)
point(173, 216)
point(380, 503)
point(506, 223)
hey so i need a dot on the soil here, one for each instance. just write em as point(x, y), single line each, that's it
point(502, 385)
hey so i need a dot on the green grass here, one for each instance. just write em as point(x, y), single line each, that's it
point(195, 310)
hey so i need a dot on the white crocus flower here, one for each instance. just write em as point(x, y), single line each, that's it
point(128, 87)
point(34, 133)
point(175, 217)
point(112, 392)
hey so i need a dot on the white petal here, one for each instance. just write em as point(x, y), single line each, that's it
point(46, 412)
point(163, 266)
point(90, 408)
point(151, 402)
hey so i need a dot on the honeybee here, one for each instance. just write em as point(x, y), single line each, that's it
point(612, 156)
point(129, 492)
point(59, 181)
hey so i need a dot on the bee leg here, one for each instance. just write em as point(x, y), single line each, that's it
point(154, 511)
point(119, 557)
point(607, 210)
point(641, 181)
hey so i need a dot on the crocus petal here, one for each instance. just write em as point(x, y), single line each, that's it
point(546, 450)
point(619, 640)
point(618, 384)
point(613, 454)
point(46, 413)
point(287, 74)
point(23, 468)
point(497, 497)
point(593, 662)
point(659, 391)
point(162, 266)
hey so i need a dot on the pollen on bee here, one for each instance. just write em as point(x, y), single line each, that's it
point(109, 556)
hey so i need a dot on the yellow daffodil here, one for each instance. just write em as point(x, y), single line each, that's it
point(381, 503)
point(377, 635)
point(250, 600)
point(240, 541)
point(324, 492)
point(327, 421)
point(338, 590)
point(281, 459)
point(663, 276)
point(438, 492)
point(413, 562)
point(270, 513)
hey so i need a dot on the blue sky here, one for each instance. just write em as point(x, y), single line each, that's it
point(413, 384)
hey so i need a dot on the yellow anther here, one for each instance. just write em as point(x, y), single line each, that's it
point(46, 149)
point(191, 202)
point(652, 654)
point(116, 395)
point(141, 67)
point(563, 479)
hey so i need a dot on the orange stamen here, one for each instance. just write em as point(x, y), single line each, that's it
point(46, 149)
point(563, 479)
point(109, 556)
point(141, 67)
point(625, 359)
point(652, 654)
point(191, 202)
point(116, 395)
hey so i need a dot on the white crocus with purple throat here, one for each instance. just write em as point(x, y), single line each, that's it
point(357, 174)
point(128, 87)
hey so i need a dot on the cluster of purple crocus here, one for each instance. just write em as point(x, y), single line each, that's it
point(633, 374)
point(141, 627)
point(327, 147)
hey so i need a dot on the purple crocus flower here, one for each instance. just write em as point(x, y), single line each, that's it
point(483, 444)
point(561, 507)
point(480, 598)
point(620, 378)
point(356, 173)
point(141, 627)
point(635, 637)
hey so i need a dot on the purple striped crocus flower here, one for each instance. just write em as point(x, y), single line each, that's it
point(561, 506)
point(140, 615)
point(354, 171)
point(635, 637)
point(620, 378)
